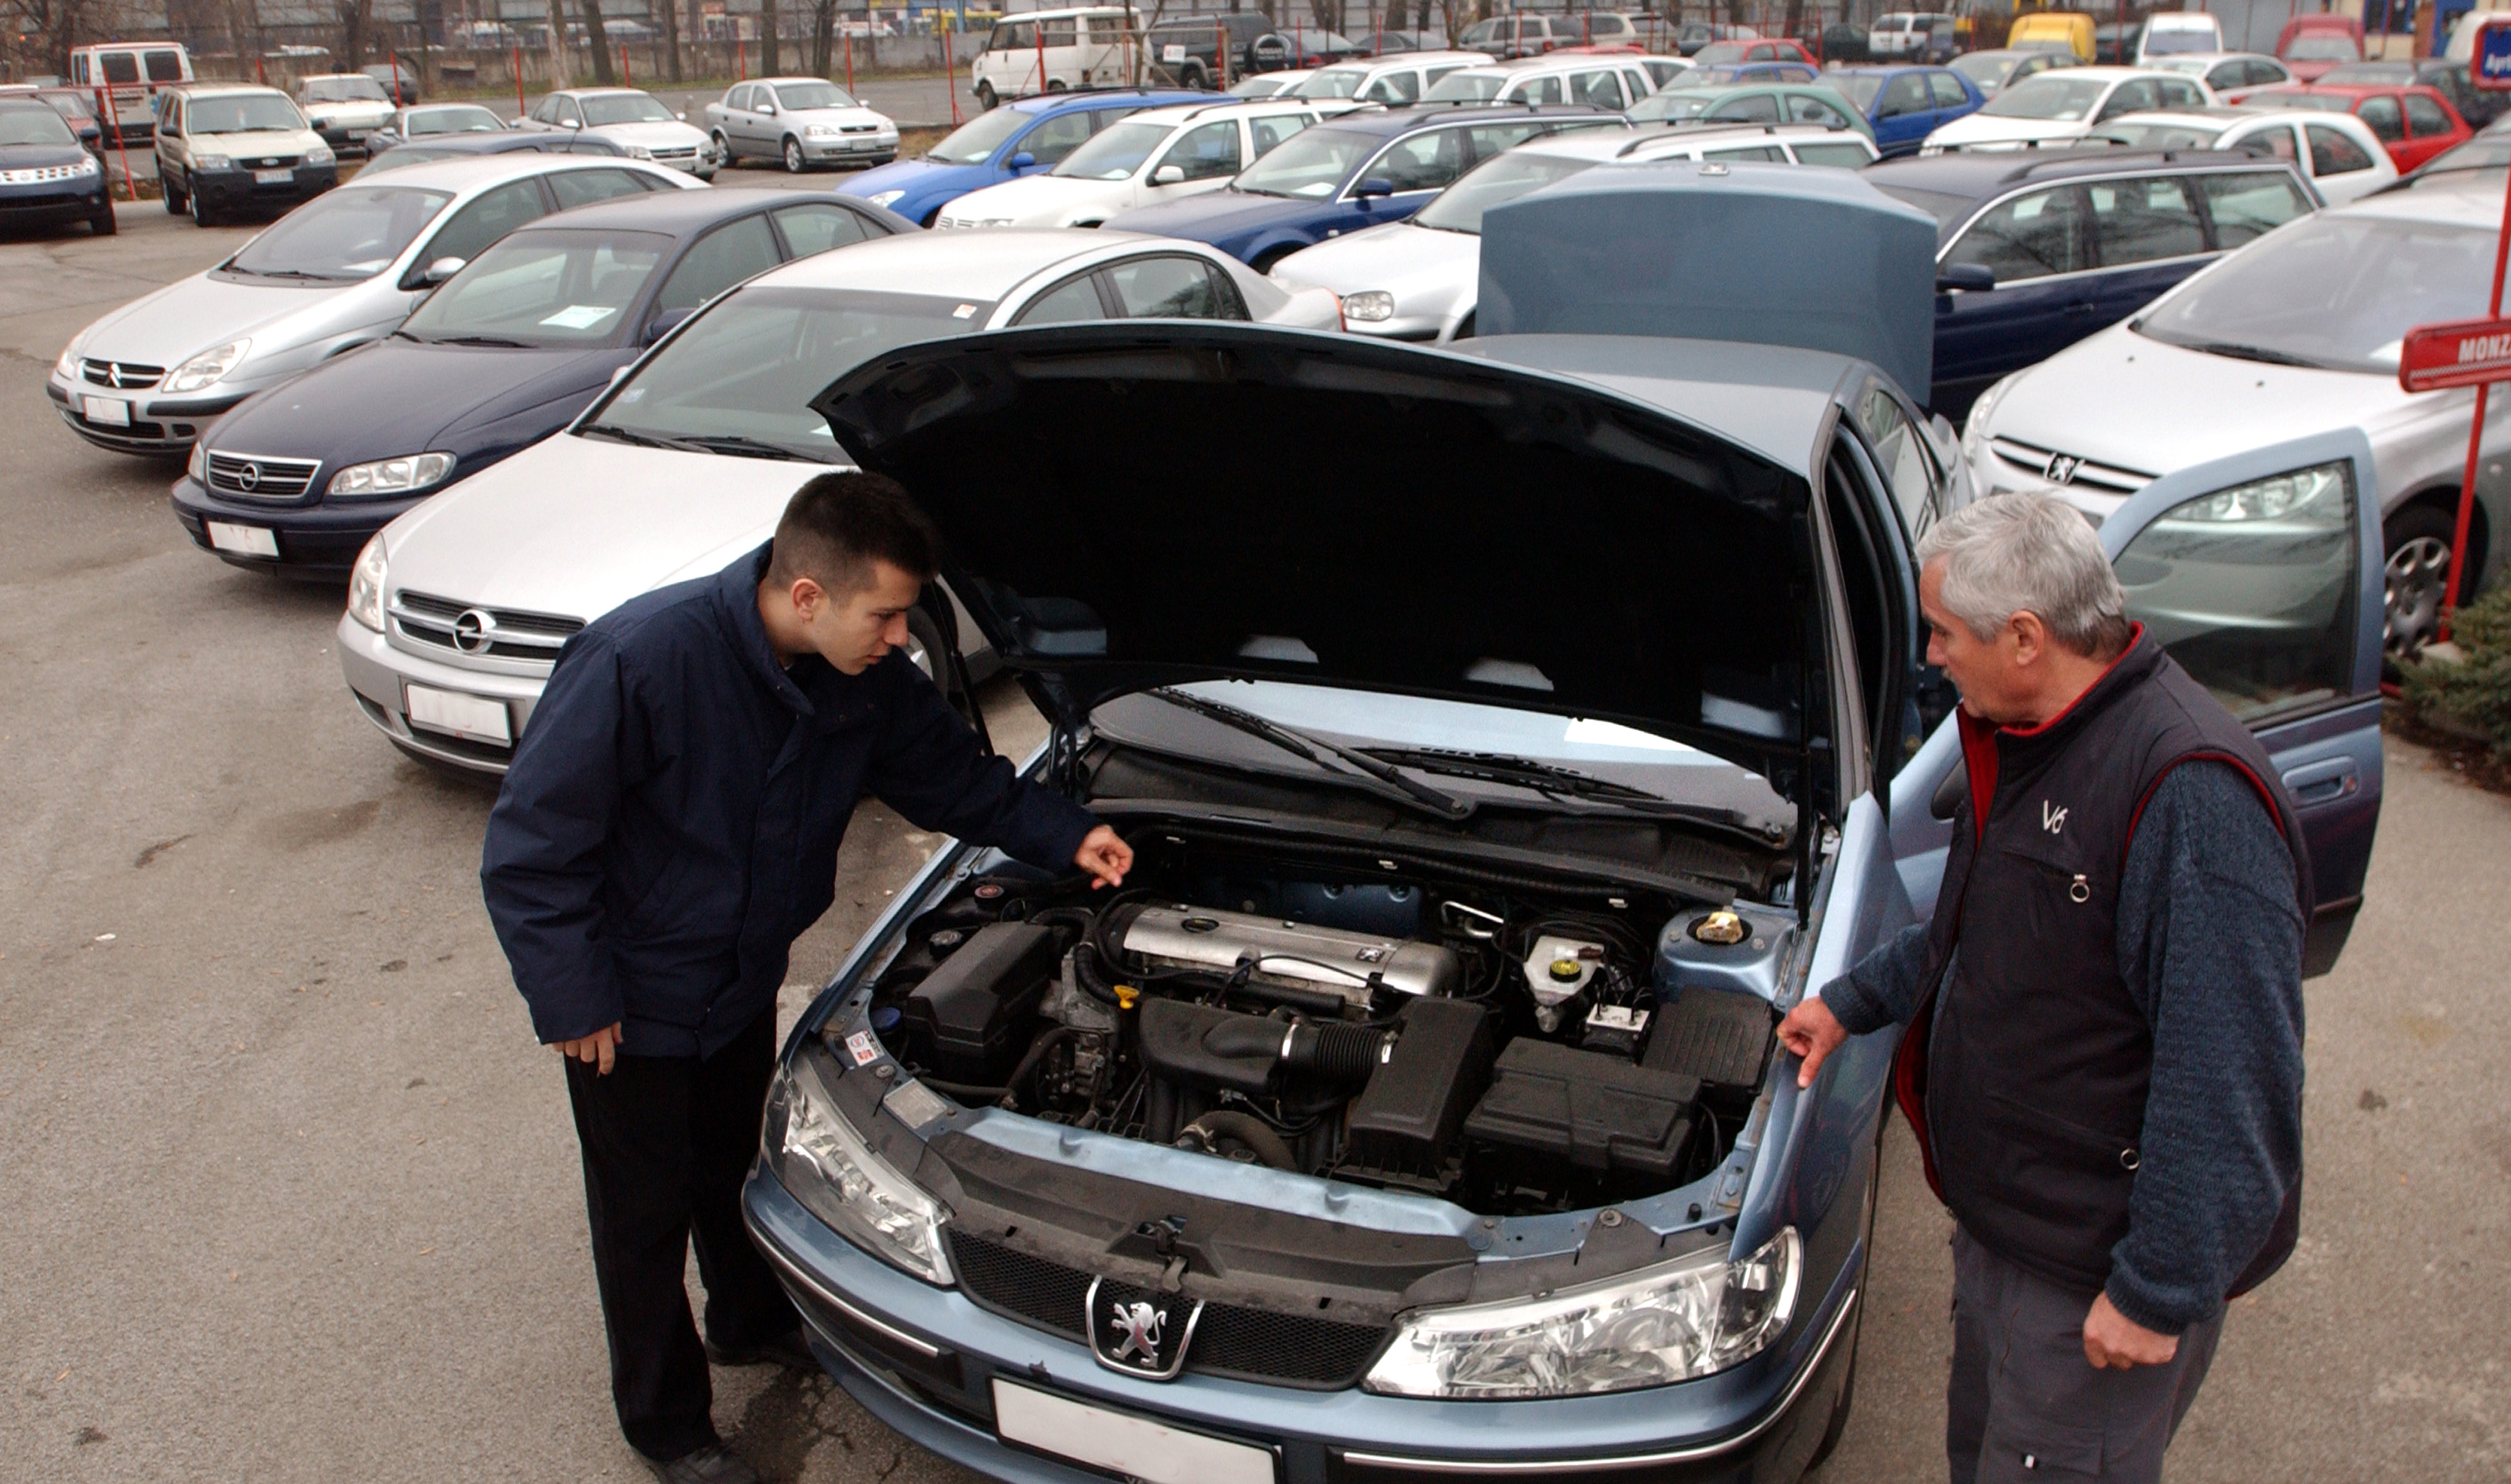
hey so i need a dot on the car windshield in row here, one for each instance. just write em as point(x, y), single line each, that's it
point(624, 108)
point(2336, 291)
point(354, 231)
point(812, 95)
point(1334, 82)
point(975, 141)
point(547, 288)
point(1310, 166)
point(739, 379)
point(2162, 136)
point(33, 125)
point(1950, 210)
point(1465, 88)
point(463, 118)
point(2324, 102)
point(1859, 88)
point(2158, 43)
point(2064, 99)
point(1114, 154)
point(1461, 206)
point(1673, 105)
point(346, 90)
point(243, 115)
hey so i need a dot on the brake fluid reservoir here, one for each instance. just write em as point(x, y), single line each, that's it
point(1737, 949)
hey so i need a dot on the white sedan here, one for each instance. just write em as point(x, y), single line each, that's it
point(2295, 333)
point(2335, 152)
point(2064, 105)
point(1150, 158)
point(690, 459)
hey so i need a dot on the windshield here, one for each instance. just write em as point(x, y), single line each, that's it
point(1477, 34)
point(2337, 292)
point(1859, 88)
point(34, 126)
point(544, 288)
point(1333, 82)
point(624, 108)
point(1461, 206)
point(2323, 49)
point(467, 119)
point(975, 141)
point(351, 232)
point(69, 105)
point(1113, 154)
point(1673, 104)
point(2048, 97)
point(1981, 67)
point(2487, 152)
point(1310, 165)
point(748, 366)
point(2163, 136)
point(2162, 39)
point(2324, 102)
point(1718, 53)
point(1466, 87)
point(812, 95)
point(345, 89)
point(241, 113)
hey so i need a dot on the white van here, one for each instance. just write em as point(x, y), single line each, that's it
point(1051, 51)
point(2168, 33)
point(133, 71)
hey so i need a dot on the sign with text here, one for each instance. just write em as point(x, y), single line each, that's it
point(2463, 353)
point(2491, 67)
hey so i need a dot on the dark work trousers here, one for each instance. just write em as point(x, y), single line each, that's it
point(667, 1142)
point(2026, 1407)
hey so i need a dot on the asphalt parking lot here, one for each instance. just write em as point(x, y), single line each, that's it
point(292, 1197)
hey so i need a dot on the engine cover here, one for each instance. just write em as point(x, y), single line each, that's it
point(1293, 955)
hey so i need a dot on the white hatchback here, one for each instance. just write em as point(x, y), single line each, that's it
point(1398, 79)
point(1610, 81)
point(1150, 158)
point(2335, 152)
point(2064, 105)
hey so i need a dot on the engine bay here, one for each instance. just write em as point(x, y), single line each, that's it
point(1515, 1044)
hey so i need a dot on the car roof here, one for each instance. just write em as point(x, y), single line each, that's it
point(1111, 98)
point(1408, 59)
point(456, 172)
point(1390, 121)
point(2474, 200)
point(799, 77)
point(1225, 106)
point(1632, 143)
point(1880, 68)
point(682, 213)
point(970, 265)
point(598, 92)
point(1983, 173)
point(227, 89)
point(334, 77)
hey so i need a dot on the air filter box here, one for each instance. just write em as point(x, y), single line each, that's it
point(1408, 1116)
point(1596, 1112)
point(964, 1022)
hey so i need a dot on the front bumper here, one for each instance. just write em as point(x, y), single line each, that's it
point(925, 1360)
point(852, 150)
point(346, 137)
point(242, 189)
point(315, 541)
point(377, 675)
point(55, 203)
point(157, 425)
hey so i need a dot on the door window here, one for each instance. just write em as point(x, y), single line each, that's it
point(1490, 140)
point(1746, 152)
point(2424, 116)
point(1599, 89)
point(720, 259)
point(2251, 206)
point(486, 219)
point(1905, 94)
point(2177, 93)
point(2331, 153)
point(1168, 287)
point(1805, 108)
point(2028, 237)
point(1537, 90)
point(577, 188)
point(2252, 590)
point(2136, 94)
point(1061, 33)
point(1840, 155)
point(566, 113)
point(1898, 450)
point(1205, 153)
point(1394, 87)
point(2380, 114)
point(815, 227)
point(737, 98)
point(1049, 143)
point(1273, 130)
point(1014, 36)
point(1424, 162)
point(547, 112)
point(1069, 303)
point(1947, 90)
point(1757, 109)
point(2142, 222)
point(2276, 142)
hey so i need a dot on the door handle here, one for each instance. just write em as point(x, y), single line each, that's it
point(2080, 306)
point(2323, 782)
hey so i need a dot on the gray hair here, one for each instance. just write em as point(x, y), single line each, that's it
point(2027, 552)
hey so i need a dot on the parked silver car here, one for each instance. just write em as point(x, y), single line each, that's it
point(634, 120)
point(458, 609)
point(336, 273)
point(802, 121)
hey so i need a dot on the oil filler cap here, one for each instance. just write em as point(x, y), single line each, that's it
point(1722, 929)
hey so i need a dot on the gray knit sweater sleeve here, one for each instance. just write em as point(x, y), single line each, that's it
point(2210, 941)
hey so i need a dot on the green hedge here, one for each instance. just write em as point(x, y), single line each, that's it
point(2471, 696)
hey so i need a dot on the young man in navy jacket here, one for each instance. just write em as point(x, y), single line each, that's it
point(668, 827)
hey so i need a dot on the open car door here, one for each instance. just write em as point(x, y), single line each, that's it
point(2261, 574)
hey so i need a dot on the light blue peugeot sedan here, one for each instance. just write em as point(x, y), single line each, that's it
point(1505, 749)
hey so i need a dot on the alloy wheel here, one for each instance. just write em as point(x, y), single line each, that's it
point(793, 156)
point(2417, 572)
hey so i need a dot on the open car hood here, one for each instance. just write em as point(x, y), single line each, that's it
point(1129, 505)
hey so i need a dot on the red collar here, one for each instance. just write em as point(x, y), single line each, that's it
point(1979, 738)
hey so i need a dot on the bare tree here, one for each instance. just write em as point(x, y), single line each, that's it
point(600, 36)
point(56, 25)
point(558, 65)
point(768, 38)
point(824, 28)
point(667, 13)
point(355, 17)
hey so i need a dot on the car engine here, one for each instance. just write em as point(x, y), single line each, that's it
point(1511, 1044)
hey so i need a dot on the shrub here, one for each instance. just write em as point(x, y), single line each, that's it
point(2470, 696)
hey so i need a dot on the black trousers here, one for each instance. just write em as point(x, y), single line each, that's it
point(667, 1142)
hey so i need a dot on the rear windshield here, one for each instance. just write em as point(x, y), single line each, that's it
point(241, 113)
point(1461, 206)
point(2335, 291)
point(346, 90)
point(2048, 96)
point(165, 67)
point(2323, 48)
point(2180, 38)
point(351, 232)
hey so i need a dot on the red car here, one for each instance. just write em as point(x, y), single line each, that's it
point(2415, 122)
point(2312, 45)
point(1768, 49)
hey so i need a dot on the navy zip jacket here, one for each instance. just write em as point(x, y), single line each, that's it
point(670, 822)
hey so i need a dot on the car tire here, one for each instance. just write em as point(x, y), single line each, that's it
point(2416, 543)
point(103, 223)
point(794, 163)
point(1192, 75)
point(171, 193)
point(724, 149)
point(986, 97)
point(202, 215)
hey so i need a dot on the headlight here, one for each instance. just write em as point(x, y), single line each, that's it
point(210, 161)
point(1974, 443)
point(1369, 305)
point(207, 367)
point(198, 467)
point(836, 1177)
point(67, 367)
point(392, 475)
point(320, 154)
point(1674, 1322)
point(820, 132)
point(86, 166)
point(884, 199)
point(639, 152)
point(367, 585)
point(2267, 499)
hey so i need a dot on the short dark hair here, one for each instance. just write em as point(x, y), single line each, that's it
point(838, 525)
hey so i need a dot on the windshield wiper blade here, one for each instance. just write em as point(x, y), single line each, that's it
point(740, 446)
point(618, 434)
point(1389, 782)
point(2240, 352)
point(1551, 779)
point(296, 273)
point(496, 341)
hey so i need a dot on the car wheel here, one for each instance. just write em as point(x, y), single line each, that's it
point(172, 193)
point(1266, 259)
point(1055, 85)
point(794, 163)
point(986, 97)
point(2418, 541)
point(202, 215)
point(1192, 75)
point(103, 223)
point(724, 149)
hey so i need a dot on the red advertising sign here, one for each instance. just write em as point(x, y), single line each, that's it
point(2463, 353)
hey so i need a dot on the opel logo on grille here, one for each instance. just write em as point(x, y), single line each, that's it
point(2061, 468)
point(248, 477)
point(474, 630)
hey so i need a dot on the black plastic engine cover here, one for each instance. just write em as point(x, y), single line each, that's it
point(1597, 1112)
point(1202, 1046)
point(1408, 1116)
point(964, 1021)
point(1718, 1036)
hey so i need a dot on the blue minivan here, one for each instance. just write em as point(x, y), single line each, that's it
point(1018, 138)
point(1414, 1113)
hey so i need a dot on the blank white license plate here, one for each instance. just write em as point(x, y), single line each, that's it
point(112, 412)
point(273, 176)
point(243, 540)
point(1122, 1443)
point(470, 717)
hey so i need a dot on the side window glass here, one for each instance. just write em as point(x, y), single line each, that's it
point(2334, 154)
point(2028, 237)
point(1425, 162)
point(577, 188)
point(1599, 89)
point(121, 67)
point(484, 220)
point(165, 67)
point(566, 111)
point(1804, 110)
point(1405, 86)
point(1758, 108)
point(1905, 94)
point(1747, 152)
point(1204, 153)
point(1840, 156)
point(2252, 590)
point(2248, 206)
point(812, 227)
point(547, 112)
point(1273, 130)
point(1055, 139)
point(1948, 93)
point(2134, 95)
point(1541, 90)
point(2276, 143)
point(1066, 303)
point(2382, 117)
point(2180, 95)
point(738, 97)
point(720, 259)
point(1164, 288)
point(1018, 36)
point(1903, 460)
point(1061, 33)
point(2424, 115)
point(1490, 140)
point(2142, 221)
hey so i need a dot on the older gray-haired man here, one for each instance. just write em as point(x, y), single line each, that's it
point(2104, 1061)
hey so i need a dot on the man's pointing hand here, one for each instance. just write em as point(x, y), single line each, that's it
point(1105, 857)
point(1812, 1032)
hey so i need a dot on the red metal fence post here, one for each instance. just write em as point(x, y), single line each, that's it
point(850, 59)
point(518, 79)
point(2475, 436)
point(107, 110)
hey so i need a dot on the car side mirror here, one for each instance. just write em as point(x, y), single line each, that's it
point(441, 270)
point(1024, 161)
point(570, 123)
point(1965, 278)
point(1374, 185)
point(665, 323)
point(763, 108)
point(1168, 174)
point(684, 115)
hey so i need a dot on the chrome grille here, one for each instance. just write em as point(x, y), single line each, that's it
point(256, 478)
point(123, 376)
point(686, 153)
point(857, 127)
point(490, 632)
point(2061, 468)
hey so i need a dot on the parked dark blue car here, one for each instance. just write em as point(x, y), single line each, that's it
point(1019, 137)
point(445, 147)
point(506, 353)
point(1903, 103)
point(2037, 251)
point(1357, 172)
point(47, 177)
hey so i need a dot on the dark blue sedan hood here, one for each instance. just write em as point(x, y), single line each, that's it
point(38, 156)
point(1222, 214)
point(400, 397)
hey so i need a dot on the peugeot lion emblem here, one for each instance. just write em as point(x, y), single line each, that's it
point(1139, 1332)
point(474, 631)
point(2062, 467)
point(248, 477)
